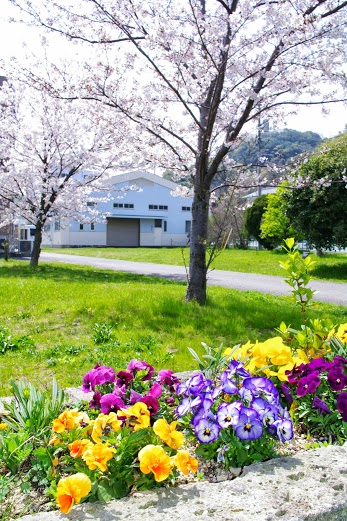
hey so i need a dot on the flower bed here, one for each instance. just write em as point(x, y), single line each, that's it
point(144, 429)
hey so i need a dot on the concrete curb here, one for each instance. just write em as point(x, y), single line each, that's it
point(310, 486)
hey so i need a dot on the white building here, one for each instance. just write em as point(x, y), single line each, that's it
point(149, 216)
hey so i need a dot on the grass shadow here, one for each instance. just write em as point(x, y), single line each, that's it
point(75, 273)
point(336, 271)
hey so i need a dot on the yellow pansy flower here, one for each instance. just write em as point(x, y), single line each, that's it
point(71, 490)
point(68, 420)
point(153, 458)
point(138, 415)
point(185, 463)
point(96, 456)
point(168, 434)
point(78, 447)
point(103, 424)
point(342, 333)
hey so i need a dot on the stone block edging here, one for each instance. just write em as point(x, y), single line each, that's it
point(309, 486)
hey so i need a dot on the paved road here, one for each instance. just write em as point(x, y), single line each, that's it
point(333, 292)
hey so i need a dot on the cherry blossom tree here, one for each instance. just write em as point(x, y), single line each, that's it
point(53, 156)
point(193, 76)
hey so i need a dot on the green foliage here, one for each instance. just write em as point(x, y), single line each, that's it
point(15, 448)
point(298, 277)
point(213, 361)
point(232, 452)
point(312, 340)
point(278, 147)
point(31, 410)
point(253, 218)
point(274, 226)
point(318, 208)
point(103, 333)
point(11, 343)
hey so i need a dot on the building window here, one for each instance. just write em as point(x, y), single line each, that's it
point(186, 208)
point(123, 205)
point(24, 235)
point(165, 226)
point(56, 226)
point(157, 223)
point(91, 203)
point(32, 232)
point(81, 226)
point(188, 226)
point(158, 207)
point(92, 227)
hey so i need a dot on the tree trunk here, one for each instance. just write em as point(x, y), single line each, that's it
point(196, 289)
point(35, 254)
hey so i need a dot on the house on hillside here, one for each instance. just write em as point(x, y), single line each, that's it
point(150, 215)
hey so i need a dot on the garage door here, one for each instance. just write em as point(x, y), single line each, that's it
point(123, 232)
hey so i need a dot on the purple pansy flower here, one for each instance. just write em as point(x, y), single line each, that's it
point(155, 391)
point(134, 397)
point(228, 386)
point(246, 395)
point(184, 407)
point(287, 393)
point(340, 360)
point(319, 364)
point(284, 430)
point(152, 404)
point(296, 373)
point(249, 426)
point(194, 386)
point(135, 366)
point(319, 404)
point(97, 376)
point(342, 405)
point(237, 367)
point(228, 414)
point(206, 431)
point(95, 401)
point(124, 378)
point(110, 403)
point(337, 378)
point(308, 384)
point(203, 413)
point(166, 377)
point(257, 384)
point(268, 413)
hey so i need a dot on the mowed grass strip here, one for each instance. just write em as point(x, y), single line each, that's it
point(65, 309)
point(332, 266)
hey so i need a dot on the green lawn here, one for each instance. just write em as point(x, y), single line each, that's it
point(58, 306)
point(332, 266)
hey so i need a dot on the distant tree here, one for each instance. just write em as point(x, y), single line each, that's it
point(278, 147)
point(253, 218)
point(275, 225)
point(226, 221)
point(55, 156)
point(317, 206)
point(176, 177)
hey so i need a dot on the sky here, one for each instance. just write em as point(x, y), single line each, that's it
point(13, 36)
